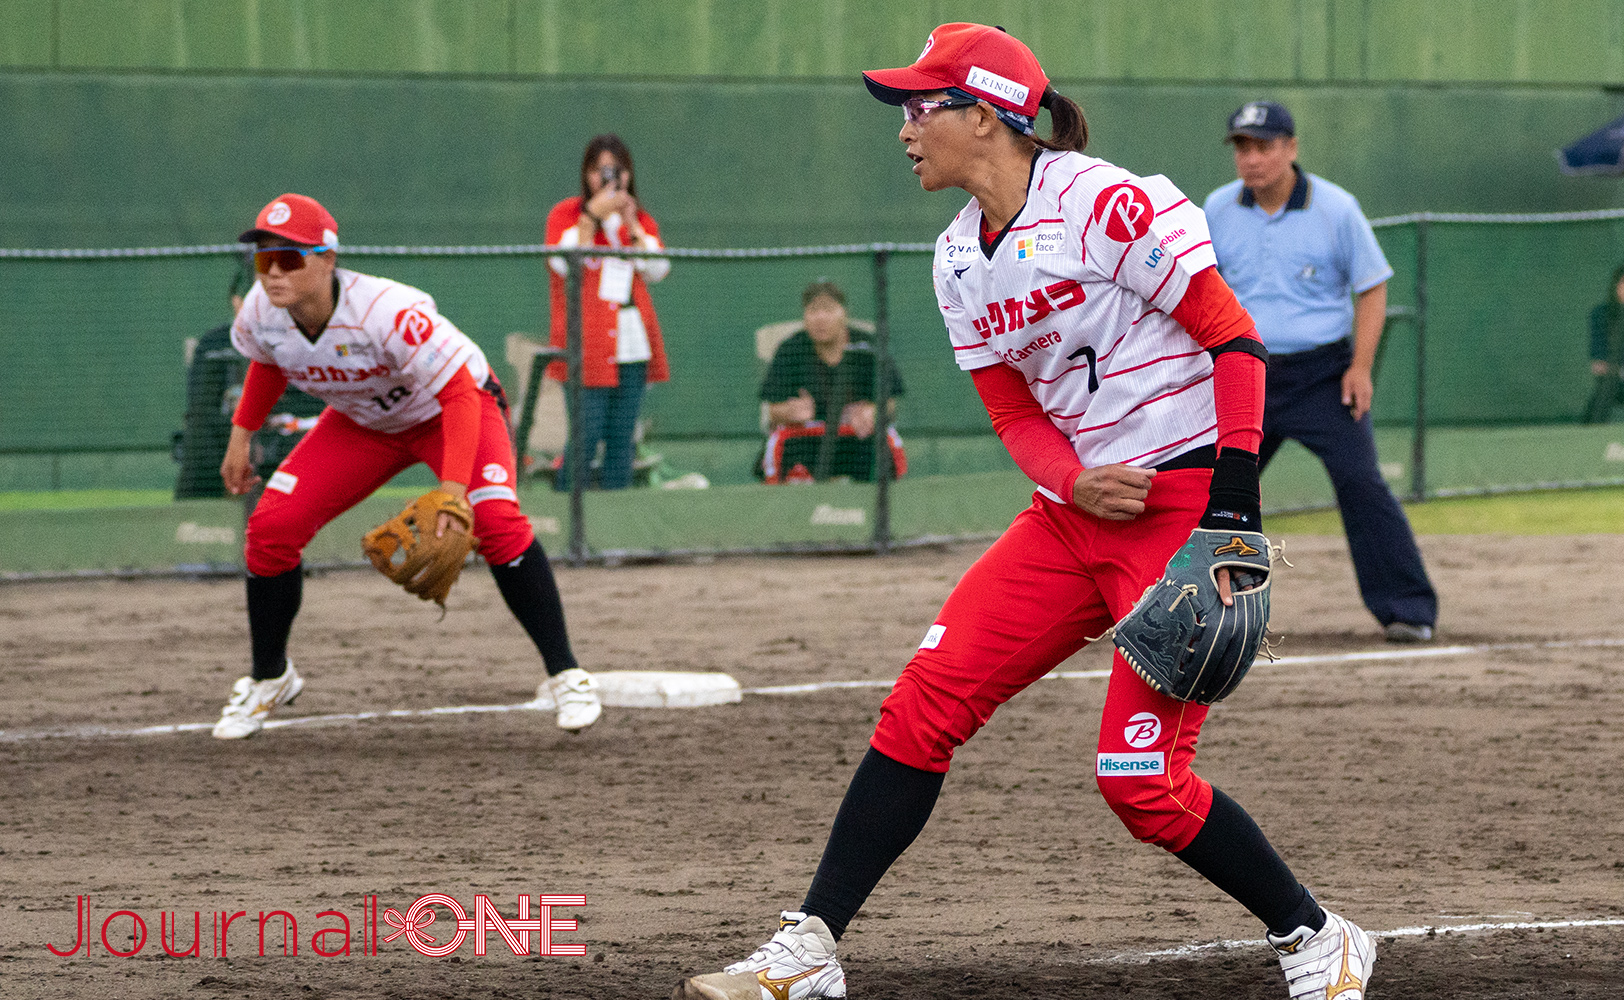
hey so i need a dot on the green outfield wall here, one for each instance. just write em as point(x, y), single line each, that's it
point(143, 159)
point(1525, 41)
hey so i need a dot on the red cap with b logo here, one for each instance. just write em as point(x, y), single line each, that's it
point(979, 59)
point(295, 217)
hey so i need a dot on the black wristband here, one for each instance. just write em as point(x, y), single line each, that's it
point(1234, 501)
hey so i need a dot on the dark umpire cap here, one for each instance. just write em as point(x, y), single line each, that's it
point(1261, 120)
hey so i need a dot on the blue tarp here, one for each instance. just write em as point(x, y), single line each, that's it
point(1600, 152)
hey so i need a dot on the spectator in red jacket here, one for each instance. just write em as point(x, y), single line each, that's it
point(621, 348)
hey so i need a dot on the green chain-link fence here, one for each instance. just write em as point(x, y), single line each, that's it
point(1481, 386)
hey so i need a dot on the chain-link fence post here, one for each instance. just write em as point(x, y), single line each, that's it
point(882, 402)
point(1418, 442)
point(575, 463)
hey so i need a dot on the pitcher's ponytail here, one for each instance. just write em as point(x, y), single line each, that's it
point(1069, 127)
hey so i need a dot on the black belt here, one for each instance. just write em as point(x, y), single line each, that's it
point(1313, 352)
point(1196, 458)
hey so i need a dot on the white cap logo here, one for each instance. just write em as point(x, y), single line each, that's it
point(494, 473)
point(1252, 114)
point(930, 41)
point(329, 237)
point(1142, 730)
point(279, 213)
point(988, 82)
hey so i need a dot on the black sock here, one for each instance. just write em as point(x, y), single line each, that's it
point(531, 593)
point(1234, 855)
point(885, 807)
point(273, 601)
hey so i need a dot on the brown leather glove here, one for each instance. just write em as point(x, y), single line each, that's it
point(405, 549)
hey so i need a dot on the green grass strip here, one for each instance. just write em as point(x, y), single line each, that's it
point(1555, 512)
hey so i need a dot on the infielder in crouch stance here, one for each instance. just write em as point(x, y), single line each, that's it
point(402, 385)
point(1127, 382)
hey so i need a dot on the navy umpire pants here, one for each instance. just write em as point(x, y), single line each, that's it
point(1304, 402)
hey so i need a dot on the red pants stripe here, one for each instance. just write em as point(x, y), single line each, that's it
point(1057, 576)
point(340, 463)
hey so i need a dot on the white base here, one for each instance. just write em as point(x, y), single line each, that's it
point(657, 689)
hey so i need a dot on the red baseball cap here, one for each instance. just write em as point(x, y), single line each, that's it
point(295, 217)
point(987, 62)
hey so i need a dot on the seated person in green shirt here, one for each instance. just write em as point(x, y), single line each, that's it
point(820, 377)
point(1607, 353)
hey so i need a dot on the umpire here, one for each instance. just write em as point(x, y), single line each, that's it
point(1302, 259)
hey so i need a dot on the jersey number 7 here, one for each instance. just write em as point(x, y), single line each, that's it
point(1087, 353)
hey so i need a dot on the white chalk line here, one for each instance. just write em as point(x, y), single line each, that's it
point(1425, 930)
point(102, 732)
point(1374, 655)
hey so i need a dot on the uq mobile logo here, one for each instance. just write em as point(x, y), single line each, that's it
point(1160, 251)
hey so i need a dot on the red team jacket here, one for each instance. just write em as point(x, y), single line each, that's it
point(598, 317)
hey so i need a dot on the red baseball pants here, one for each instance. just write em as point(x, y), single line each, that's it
point(1057, 576)
point(340, 463)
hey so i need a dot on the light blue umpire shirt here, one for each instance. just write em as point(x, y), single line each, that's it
point(1294, 270)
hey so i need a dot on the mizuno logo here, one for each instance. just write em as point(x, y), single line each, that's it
point(779, 988)
point(1237, 546)
point(1347, 981)
point(958, 272)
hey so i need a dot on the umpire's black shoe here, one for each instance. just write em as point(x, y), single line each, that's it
point(1407, 632)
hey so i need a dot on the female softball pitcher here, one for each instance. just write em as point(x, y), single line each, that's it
point(1127, 382)
point(402, 385)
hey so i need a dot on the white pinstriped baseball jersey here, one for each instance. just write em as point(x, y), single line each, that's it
point(1077, 297)
point(381, 359)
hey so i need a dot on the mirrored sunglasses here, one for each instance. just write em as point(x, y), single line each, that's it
point(286, 258)
point(914, 109)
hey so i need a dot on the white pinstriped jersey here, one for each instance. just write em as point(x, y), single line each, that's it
point(1078, 296)
point(381, 359)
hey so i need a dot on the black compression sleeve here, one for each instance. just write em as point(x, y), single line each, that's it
point(273, 602)
point(1232, 853)
point(886, 805)
point(531, 593)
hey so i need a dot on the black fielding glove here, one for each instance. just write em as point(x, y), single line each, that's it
point(1234, 502)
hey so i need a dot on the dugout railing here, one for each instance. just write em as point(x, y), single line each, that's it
point(1481, 387)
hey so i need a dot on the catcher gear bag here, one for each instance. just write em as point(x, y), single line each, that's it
point(427, 566)
point(1181, 638)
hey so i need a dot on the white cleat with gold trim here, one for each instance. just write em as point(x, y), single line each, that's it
point(797, 964)
point(1333, 964)
point(251, 701)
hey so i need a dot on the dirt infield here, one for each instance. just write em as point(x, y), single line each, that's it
point(1483, 787)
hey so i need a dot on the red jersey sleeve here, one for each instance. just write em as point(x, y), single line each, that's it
point(1213, 316)
point(459, 427)
point(1034, 442)
point(261, 389)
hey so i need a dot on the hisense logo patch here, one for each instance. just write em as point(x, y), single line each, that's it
point(1119, 765)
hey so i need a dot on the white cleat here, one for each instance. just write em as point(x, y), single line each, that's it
point(575, 693)
point(797, 964)
point(251, 701)
point(1333, 964)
